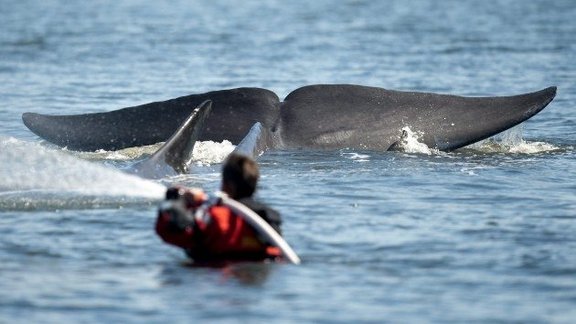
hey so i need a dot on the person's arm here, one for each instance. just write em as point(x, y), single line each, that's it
point(175, 223)
point(174, 231)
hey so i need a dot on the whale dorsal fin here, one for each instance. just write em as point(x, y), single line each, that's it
point(176, 153)
point(255, 143)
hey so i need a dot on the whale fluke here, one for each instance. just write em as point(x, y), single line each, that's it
point(337, 116)
point(315, 116)
point(234, 111)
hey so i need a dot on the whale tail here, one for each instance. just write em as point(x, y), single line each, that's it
point(175, 155)
point(314, 117)
point(234, 111)
point(373, 118)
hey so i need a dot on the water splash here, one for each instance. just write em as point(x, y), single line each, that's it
point(205, 153)
point(357, 157)
point(31, 172)
point(512, 141)
point(127, 154)
point(410, 143)
point(210, 152)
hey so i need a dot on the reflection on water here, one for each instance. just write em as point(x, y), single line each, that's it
point(247, 273)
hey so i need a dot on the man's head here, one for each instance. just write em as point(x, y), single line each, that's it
point(239, 176)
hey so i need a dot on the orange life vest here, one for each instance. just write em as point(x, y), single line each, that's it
point(219, 234)
point(227, 235)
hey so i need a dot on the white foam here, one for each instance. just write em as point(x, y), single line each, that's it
point(410, 143)
point(357, 156)
point(205, 152)
point(210, 152)
point(127, 154)
point(532, 147)
point(512, 141)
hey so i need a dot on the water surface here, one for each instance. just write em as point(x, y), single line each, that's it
point(483, 234)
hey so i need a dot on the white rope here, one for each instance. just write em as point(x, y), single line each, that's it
point(261, 226)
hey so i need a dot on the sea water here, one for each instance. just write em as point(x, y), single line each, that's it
point(482, 234)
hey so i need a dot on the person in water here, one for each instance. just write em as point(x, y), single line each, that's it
point(211, 231)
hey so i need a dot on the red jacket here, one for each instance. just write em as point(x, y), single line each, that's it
point(218, 235)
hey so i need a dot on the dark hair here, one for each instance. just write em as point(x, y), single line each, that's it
point(241, 172)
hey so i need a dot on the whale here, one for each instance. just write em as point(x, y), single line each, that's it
point(322, 116)
point(234, 112)
point(175, 155)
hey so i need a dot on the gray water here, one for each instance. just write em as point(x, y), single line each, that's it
point(484, 234)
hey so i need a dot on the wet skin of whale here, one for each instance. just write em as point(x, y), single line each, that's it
point(315, 116)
